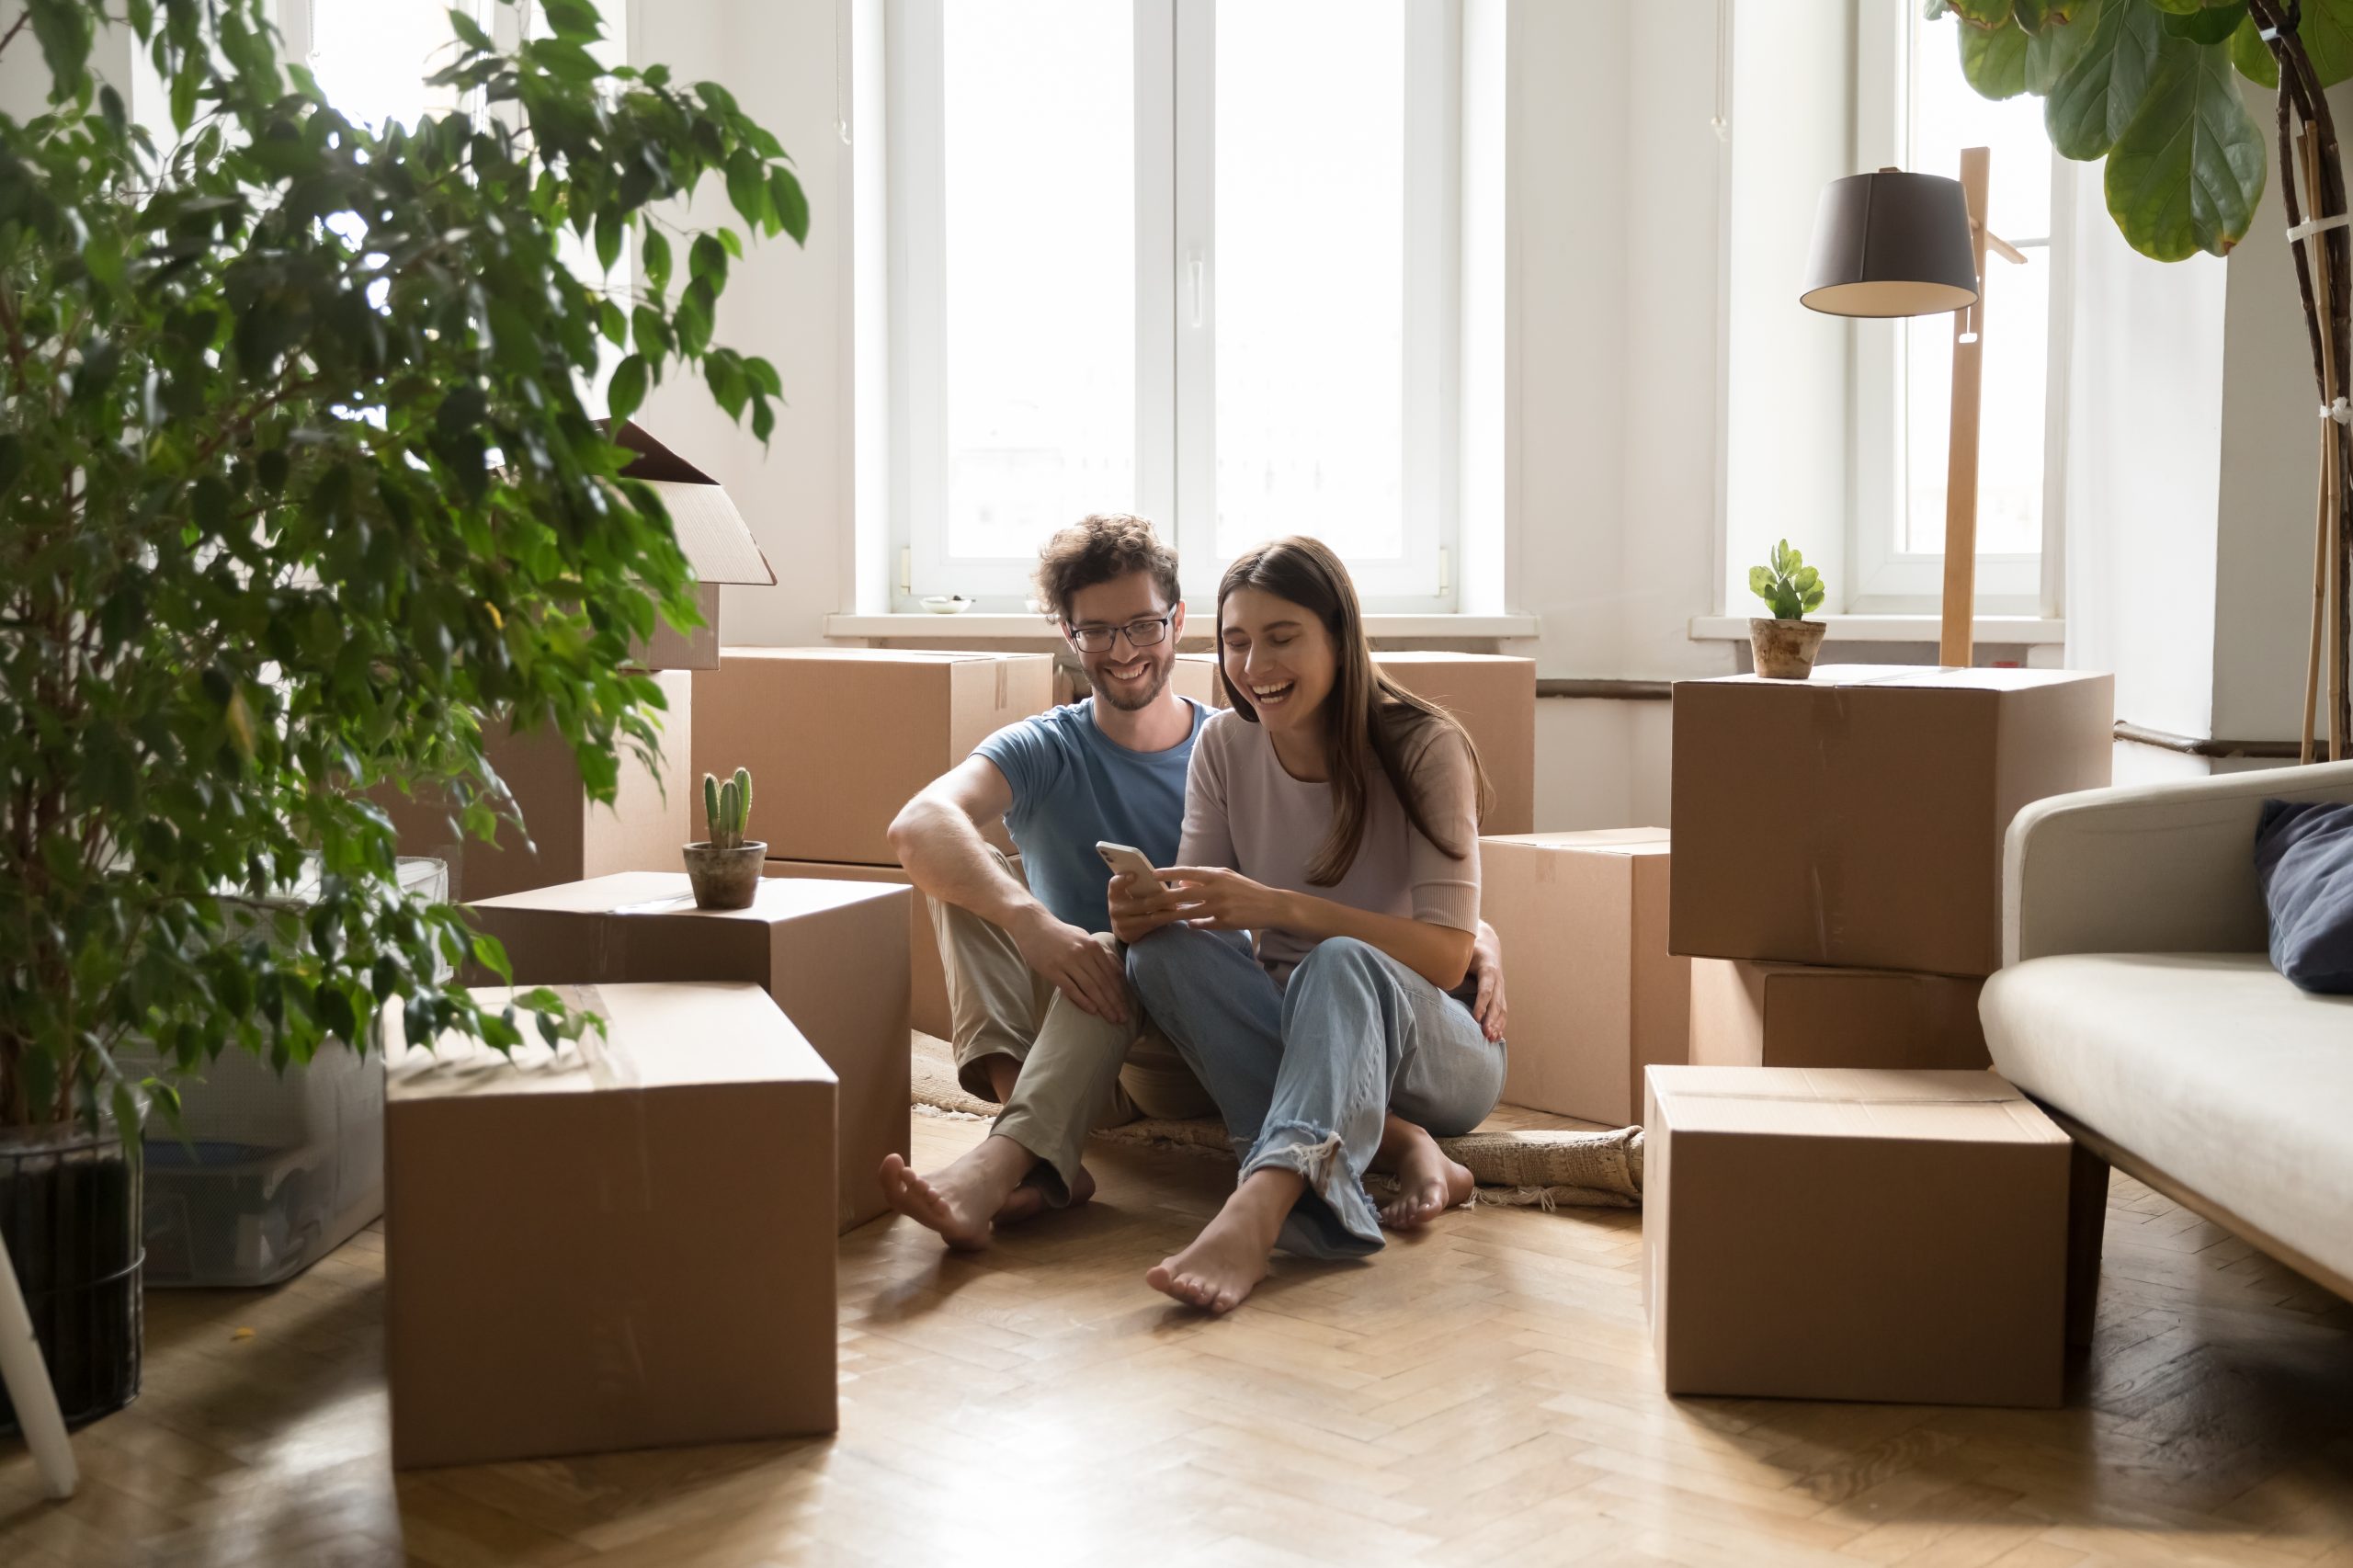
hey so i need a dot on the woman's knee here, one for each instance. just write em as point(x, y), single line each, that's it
point(1339, 962)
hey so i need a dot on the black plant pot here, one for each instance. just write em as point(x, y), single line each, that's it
point(69, 1211)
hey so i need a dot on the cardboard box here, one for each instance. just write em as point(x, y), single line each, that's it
point(1594, 995)
point(1745, 1014)
point(1494, 698)
point(1196, 677)
point(1826, 1233)
point(568, 837)
point(1856, 819)
point(832, 954)
point(838, 739)
point(623, 1245)
point(927, 974)
point(712, 536)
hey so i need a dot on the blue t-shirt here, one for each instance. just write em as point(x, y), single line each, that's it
point(1074, 785)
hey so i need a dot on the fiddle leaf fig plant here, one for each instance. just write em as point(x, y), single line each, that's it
point(303, 486)
point(1789, 584)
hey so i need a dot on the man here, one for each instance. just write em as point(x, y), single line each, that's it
point(1043, 1019)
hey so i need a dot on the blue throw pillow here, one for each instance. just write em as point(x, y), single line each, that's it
point(2303, 858)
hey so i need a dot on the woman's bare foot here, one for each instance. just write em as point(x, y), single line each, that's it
point(1230, 1254)
point(1028, 1200)
point(1429, 1184)
point(961, 1199)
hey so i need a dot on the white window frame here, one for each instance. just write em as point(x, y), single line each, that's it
point(1884, 580)
point(1175, 251)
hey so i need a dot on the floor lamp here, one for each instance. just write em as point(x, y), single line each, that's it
point(1892, 244)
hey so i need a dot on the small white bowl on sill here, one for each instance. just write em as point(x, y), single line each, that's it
point(947, 604)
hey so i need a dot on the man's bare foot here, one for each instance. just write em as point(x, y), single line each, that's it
point(1230, 1254)
point(1429, 1184)
point(960, 1200)
point(1028, 1200)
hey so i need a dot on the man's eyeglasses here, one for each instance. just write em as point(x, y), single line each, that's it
point(1140, 634)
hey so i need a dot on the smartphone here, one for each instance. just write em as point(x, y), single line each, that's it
point(1126, 859)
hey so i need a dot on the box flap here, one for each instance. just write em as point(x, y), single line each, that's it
point(1908, 678)
point(712, 533)
point(1594, 841)
point(1959, 1105)
point(657, 1036)
point(879, 655)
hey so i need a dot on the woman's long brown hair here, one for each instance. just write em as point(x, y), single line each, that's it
point(1369, 717)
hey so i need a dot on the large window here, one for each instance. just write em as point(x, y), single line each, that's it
point(1917, 111)
point(1191, 259)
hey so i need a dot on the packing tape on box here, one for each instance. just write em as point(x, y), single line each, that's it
point(624, 1171)
point(1829, 737)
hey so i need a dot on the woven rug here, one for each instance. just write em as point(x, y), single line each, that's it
point(1519, 1166)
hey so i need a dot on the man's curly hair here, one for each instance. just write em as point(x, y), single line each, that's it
point(1096, 549)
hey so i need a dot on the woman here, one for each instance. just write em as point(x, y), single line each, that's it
point(1335, 815)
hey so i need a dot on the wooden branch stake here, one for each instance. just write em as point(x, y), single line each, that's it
point(2307, 743)
point(1954, 646)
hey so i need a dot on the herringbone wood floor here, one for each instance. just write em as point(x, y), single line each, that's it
point(1483, 1395)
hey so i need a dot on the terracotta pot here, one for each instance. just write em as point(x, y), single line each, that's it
point(1784, 649)
point(725, 879)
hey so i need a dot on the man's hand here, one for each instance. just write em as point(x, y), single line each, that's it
point(1487, 968)
point(1140, 908)
point(1081, 968)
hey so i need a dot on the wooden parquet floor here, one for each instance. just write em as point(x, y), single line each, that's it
point(1481, 1395)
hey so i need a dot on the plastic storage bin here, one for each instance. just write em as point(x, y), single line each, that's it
point(270, 1172)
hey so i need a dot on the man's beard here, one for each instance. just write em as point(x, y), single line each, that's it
point(1126, 704)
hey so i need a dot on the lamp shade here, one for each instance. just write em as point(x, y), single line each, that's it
point(1891, 245)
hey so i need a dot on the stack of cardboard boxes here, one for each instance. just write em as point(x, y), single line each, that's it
point(1840, 1200)
point(837, 740)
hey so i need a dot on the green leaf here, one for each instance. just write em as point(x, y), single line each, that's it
point(2207, 25)
point(470, 33)
point(1760, 582)
point(654, 250)
point(1994, 60)
point(2091, 104)
point(2188, 172)
point(491, 954)
point(2031, 16)
point(2327, 27)
point(63, 30)
point(748, 188)
point(2252, 56)
point(792, 204)
point(627, 390)
point(2053, 52)
point(1982, 13)
point(608, 238)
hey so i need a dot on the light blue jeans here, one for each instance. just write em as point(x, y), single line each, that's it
point(1304, 1074)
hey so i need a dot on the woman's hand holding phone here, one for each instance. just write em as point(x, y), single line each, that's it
point(1141, 905)
point(1218, 900)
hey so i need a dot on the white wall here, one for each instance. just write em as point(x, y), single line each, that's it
point(778, 58)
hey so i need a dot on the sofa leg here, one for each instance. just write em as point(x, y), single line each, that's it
point(2087, 1227)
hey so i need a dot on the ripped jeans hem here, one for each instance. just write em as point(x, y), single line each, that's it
point(1334, 1216)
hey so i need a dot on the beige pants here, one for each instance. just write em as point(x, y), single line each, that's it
point(1078, 1072)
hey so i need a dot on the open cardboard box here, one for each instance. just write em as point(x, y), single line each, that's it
point(714, 537)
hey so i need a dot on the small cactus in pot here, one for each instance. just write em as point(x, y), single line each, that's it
point(725, 869)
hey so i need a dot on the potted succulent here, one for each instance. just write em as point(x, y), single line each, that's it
point(1784, 645)
point(725, 867)
point(295, 509)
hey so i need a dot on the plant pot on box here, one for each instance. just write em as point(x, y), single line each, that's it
point(1784, 649)
point(69, 1212)
point(1783, 646)
point(726, 876)
point(725, 867)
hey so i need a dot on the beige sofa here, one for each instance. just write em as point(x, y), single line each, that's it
point(2136, 1001)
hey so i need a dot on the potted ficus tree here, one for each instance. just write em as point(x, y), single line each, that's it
point(2151, 86)
point(303, 486)
point(1783, 646)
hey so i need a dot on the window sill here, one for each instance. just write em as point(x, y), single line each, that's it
point(982, 626)
point(2007, 631)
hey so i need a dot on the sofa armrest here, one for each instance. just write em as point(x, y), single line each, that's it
point(2148, 869)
